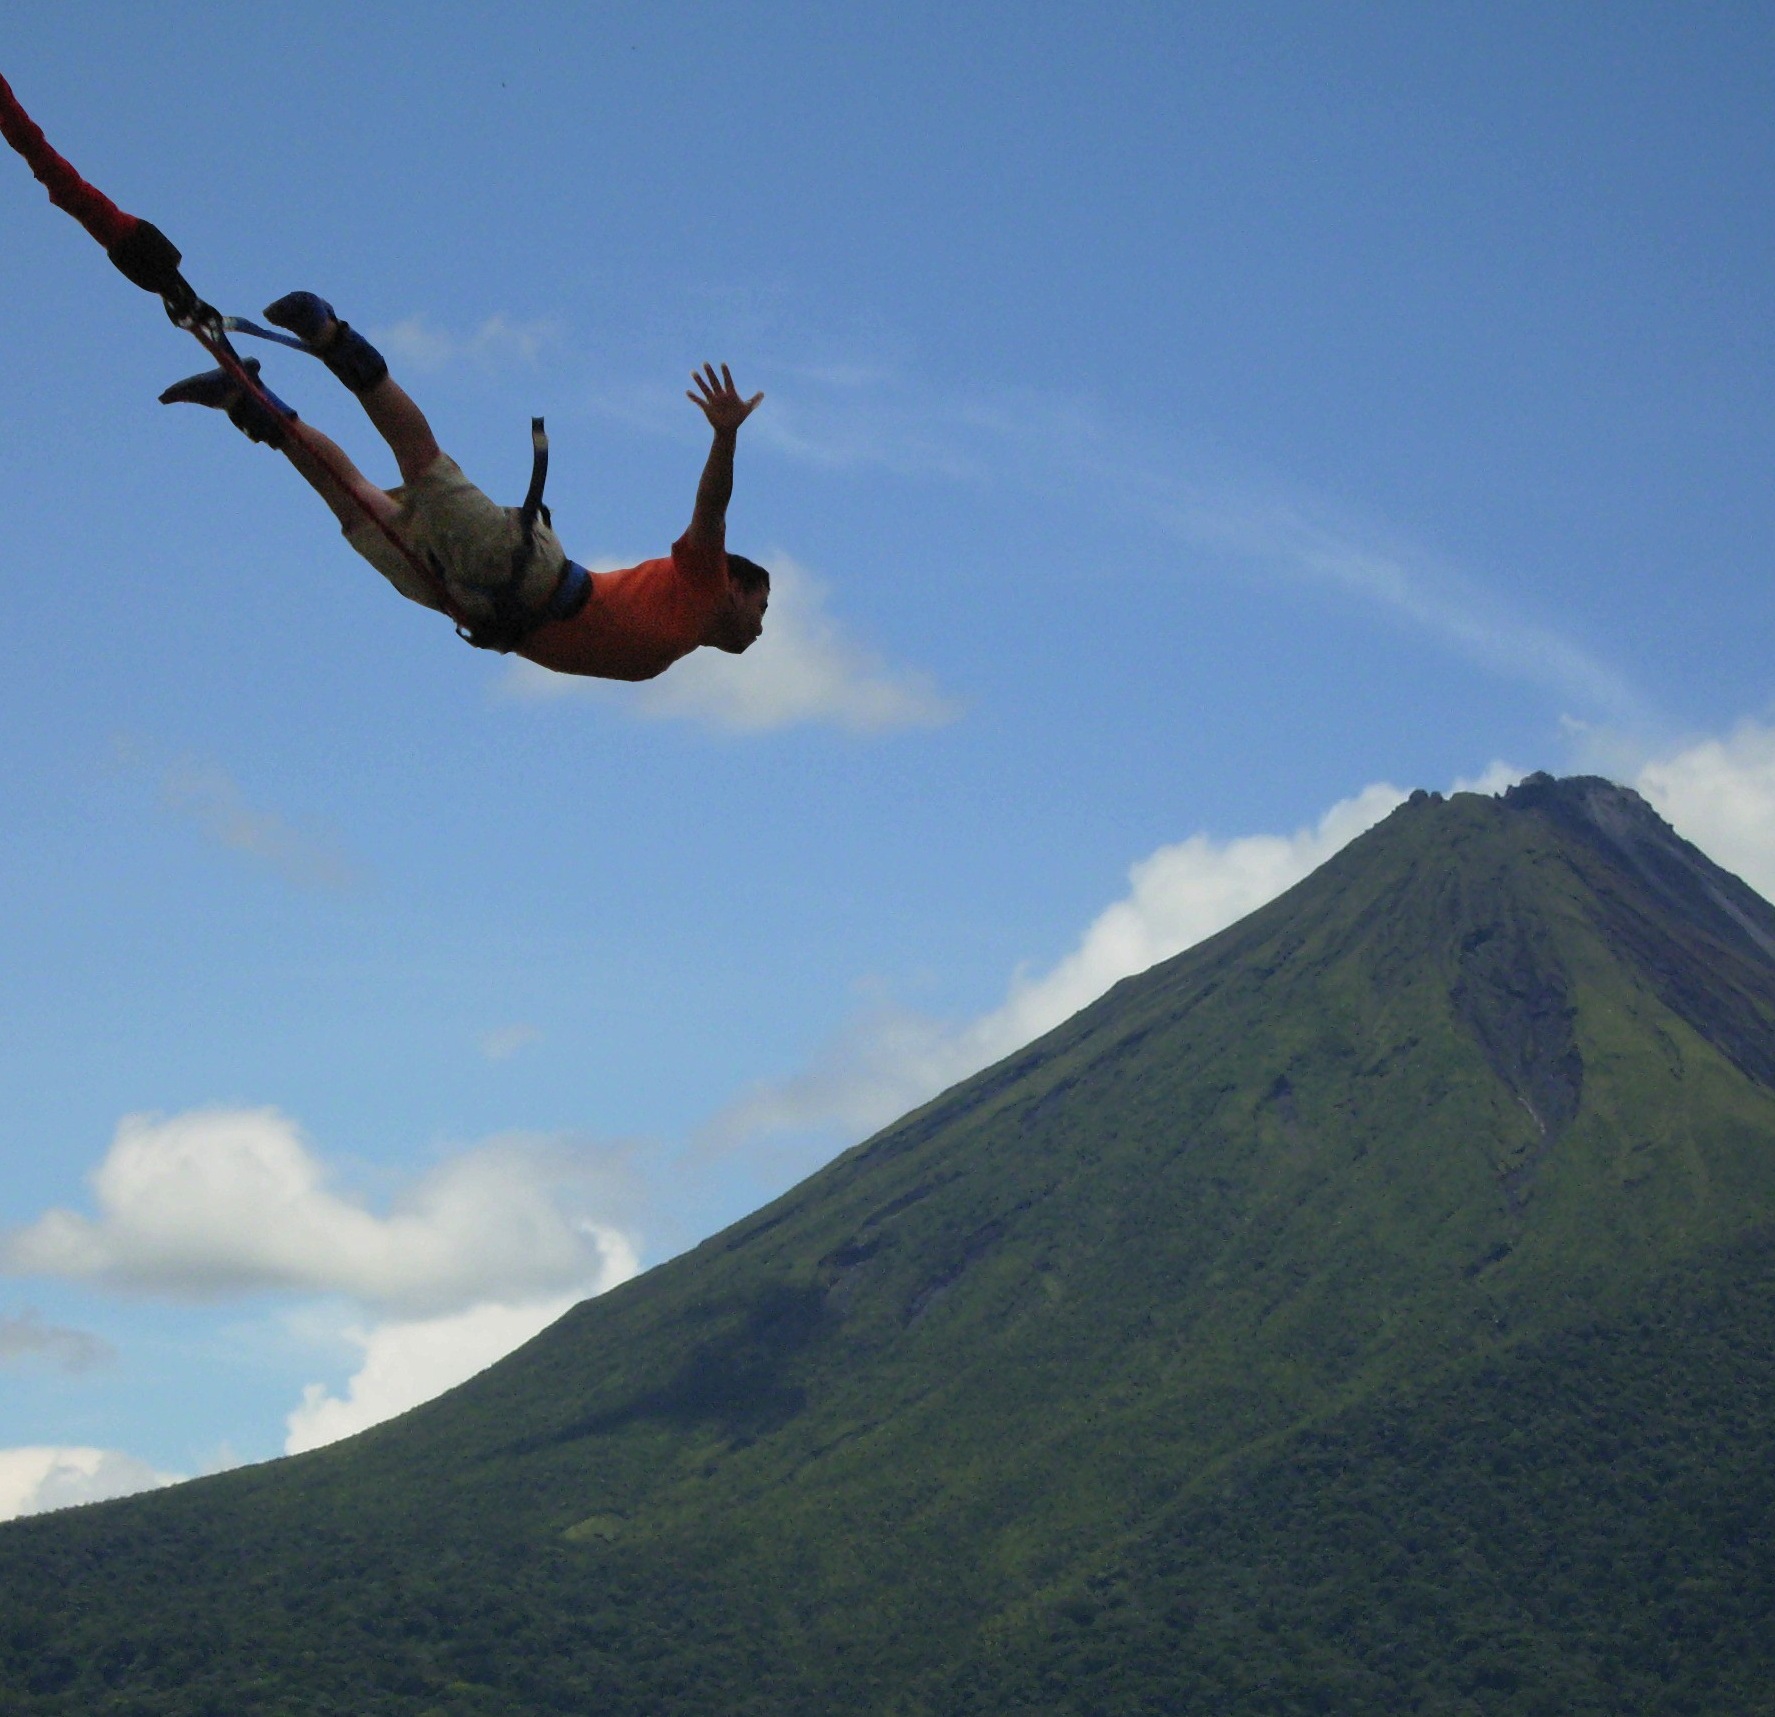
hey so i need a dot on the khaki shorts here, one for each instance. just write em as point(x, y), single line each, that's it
point(453, 527)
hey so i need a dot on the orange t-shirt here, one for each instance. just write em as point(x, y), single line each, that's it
point(636, 623)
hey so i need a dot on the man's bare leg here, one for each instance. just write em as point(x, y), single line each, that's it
point(402, 425)
point(351, 495)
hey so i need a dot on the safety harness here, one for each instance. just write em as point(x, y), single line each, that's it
point(146, 257)
point(511, 622)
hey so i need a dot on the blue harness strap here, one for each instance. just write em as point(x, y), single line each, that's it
point(570, 594)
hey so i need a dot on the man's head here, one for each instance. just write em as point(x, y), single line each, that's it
point(740, 620)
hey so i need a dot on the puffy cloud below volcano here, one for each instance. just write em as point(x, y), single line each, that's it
point(219, 1202)
point(403, 1364)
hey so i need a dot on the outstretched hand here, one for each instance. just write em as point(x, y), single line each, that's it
point(719, 400)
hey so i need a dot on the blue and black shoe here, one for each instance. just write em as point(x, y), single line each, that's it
point(257, 419)
point(307, 315)
point(337, 344)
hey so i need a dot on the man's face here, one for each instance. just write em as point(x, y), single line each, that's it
point(742, 619)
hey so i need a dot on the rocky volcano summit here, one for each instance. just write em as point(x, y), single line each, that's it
point(1371, 1309)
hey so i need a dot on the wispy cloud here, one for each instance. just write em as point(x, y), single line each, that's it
point(1413, 586)
point(205, 795)
point(1043, 441)
point(27, 1337)
point(806, 670)
point(208, 797)
point(421, 344)
point(220, 1202)
point(505, 1041)
point(816, 425)
point(37, 1479)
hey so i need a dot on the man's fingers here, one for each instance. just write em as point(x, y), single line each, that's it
point(715, 391)
point(718, 386)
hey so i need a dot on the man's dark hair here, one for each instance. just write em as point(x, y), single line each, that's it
point(747, 575)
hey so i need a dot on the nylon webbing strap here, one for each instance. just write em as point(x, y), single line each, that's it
point(539, 475)
point(240, 325)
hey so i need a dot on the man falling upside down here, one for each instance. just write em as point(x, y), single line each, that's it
point(508, 589)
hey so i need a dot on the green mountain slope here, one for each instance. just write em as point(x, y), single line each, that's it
point(1371, 1309)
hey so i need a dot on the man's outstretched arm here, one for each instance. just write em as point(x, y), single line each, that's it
point(719, 401)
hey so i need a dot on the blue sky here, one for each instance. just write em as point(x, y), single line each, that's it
point(1185, 428)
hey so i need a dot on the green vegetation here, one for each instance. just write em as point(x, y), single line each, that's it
point(1371, 1310)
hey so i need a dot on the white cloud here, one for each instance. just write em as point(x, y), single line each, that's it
point(35, 1480)
point(223, 1201)
point(407, 1363)
point(805, 669)
point(502, 1043)
point(421, 345)
point(27, 1336)
point(1720, 794)
point(892, 1060)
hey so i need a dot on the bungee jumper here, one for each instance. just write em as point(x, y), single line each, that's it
point(498, 572)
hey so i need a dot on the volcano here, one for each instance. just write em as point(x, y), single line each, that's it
point(1371, 1309)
